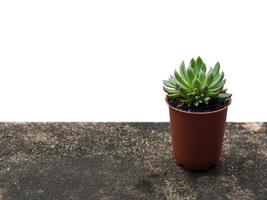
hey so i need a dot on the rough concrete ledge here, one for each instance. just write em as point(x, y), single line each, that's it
point(124, 161)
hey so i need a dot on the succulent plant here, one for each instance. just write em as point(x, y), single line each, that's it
point(193, 86)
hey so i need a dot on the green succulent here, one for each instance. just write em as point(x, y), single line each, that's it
point(194, 85)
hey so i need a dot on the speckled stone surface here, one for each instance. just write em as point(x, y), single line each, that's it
point(124, 161)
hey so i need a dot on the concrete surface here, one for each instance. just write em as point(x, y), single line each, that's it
point(124, 161)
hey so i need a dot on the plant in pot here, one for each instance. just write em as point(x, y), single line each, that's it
point(198, 105)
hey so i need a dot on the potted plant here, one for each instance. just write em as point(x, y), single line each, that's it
point(198, 105)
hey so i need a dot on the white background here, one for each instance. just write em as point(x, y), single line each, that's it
point(105, 60)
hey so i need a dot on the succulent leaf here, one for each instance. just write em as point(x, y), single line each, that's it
point(217, 80)
point(211, 94)
point(173, 96)
point(173, 81)
point(223, 90)
point(197, 84)
point(183, 92)
point(210, 77)
point(204, 68)
point(169, 91)
point(202, 77)
point(196, 91)
point(224, 96)
point(196, 103)
point(182, 71)
point(216, 69)
point(168, 84)
point(193, 66)
point(204, 89)
point(190, 74)
point(199, 63)
point(220, 84)
point(181, 81)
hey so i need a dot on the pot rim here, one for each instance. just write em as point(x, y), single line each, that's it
point(199, 113)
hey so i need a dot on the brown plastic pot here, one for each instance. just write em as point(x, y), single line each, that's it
point(197, 137)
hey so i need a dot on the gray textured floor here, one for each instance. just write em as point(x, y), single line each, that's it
point(124, 161)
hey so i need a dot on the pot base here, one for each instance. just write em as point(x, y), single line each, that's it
point(196, 167)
